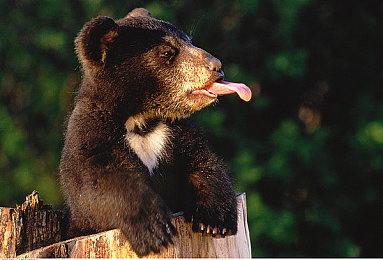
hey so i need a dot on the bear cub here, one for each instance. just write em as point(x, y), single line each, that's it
point(131, 157)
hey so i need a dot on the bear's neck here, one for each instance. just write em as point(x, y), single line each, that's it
point(150, 140)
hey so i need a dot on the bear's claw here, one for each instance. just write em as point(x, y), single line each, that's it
point(214, 231)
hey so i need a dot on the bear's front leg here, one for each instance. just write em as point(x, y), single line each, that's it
point(149, 228)
point(211, 202)
point(215, 203)
point(124, 200)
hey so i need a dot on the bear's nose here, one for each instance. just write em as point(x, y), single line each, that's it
point(214, 64)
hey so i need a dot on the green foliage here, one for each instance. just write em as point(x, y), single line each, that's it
point(308, 151)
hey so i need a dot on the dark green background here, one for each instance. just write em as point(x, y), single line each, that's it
point(307, 149)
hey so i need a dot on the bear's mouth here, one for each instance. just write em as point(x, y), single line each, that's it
point(220, 87)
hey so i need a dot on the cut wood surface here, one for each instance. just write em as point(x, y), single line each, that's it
point(111, 244)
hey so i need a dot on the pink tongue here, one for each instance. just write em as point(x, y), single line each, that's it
point(224, 87)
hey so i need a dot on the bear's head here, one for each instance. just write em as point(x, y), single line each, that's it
point(145, 67)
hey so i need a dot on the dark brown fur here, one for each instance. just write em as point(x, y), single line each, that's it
point(140, 68)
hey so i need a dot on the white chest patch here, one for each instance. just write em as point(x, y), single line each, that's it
point(150, 147)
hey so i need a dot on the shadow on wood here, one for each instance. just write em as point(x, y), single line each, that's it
point(109, 244)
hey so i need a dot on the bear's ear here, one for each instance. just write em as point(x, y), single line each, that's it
point(139, 12)
point(95, 39)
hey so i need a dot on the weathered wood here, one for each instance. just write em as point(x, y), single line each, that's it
point(29, 226)
point(111, 244)
point(7, 234)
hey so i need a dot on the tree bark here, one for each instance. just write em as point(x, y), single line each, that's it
point(111, 244)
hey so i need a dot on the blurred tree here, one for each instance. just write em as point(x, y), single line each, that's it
point(308, 151)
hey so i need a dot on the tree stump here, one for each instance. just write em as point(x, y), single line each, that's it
point(34, 226)
point(29, 226)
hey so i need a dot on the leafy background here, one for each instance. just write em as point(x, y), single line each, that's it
point(307, 150)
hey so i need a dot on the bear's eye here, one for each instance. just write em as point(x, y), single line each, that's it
point(169, 54)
